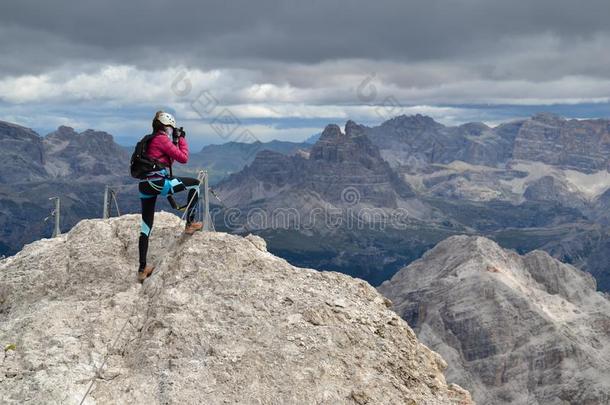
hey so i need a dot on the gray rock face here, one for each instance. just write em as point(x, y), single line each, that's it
point(220, 321)
point(28, 157)
point(269, 174)
point(458, 180)
point(336, 162)
point(552, 189)
point(412, 141)
point(331, 209)
point(514, 329)
point(74, 166)
point(416, 141)
point(582, 145)
point(90, 153)
point(353, 146)
point(21, 154)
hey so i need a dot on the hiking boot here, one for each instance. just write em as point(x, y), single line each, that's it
point(193, 227)
point(144, 274)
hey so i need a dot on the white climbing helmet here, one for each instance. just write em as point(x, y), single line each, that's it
point(166, 119)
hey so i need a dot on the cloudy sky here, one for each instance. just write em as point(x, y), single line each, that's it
point(244, 70)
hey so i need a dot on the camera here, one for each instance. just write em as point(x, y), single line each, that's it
point(178, 132)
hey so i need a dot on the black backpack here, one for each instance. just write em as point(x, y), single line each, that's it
point(141, 165)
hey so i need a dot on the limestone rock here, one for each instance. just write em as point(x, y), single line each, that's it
point(553, 189)
point(341, 169)
point(220, 321)
point(74, 166)
point(416, 141)
point(572, 144)
point(88, 154)
point(513, 329)
point(21, 154)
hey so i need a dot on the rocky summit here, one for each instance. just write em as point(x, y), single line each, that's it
point(220, 321)
point(514, 329)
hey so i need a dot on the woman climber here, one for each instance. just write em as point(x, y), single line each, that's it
point(168, 144)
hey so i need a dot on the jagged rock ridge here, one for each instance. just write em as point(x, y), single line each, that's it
point(514, 329)
point(86, 154)
point(337, 161)
point(574, 144)
point(74, 166)
point(21, 154)
point(220, 321)
point(62, 153)
point(417, 140)
point(449, 180)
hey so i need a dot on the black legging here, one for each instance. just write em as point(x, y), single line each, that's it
point(149, 190)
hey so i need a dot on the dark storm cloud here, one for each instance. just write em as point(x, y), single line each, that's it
point(38, 35)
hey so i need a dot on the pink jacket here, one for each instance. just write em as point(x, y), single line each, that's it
point(164, 151)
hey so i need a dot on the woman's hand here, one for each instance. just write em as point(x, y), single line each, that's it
point(178, 133)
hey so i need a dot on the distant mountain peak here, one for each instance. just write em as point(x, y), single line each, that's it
point(417, 120)
point(65, 128)
point(353, 129)
point(337, 160)
point(334, 145)
point(475, 128)
point(267, 154)
point(24, 143)
point(98, 135)
point(12, 128)
point(63, 132)
point(331, 131)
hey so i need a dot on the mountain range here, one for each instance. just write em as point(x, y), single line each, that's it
point(74, 166)
point(440, 181)
point(582, 145)
point(490, 243)
point(366, 200)
point(77, 167)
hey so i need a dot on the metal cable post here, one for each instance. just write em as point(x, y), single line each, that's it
point(105, 214)
point(206, 195)
point(57, 215)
